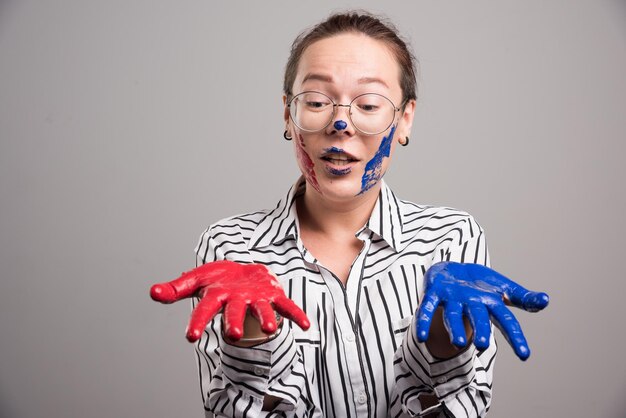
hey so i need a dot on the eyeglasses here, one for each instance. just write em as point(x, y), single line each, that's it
point(369, 113)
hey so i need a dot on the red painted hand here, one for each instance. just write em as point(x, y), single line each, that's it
point(234, 287)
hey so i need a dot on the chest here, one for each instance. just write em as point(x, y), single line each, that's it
point(362, 286)
point(337, 258)
point(356, 326)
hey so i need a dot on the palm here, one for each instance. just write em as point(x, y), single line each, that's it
point(235, 288)
point(479, 293)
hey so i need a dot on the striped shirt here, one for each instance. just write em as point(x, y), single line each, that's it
point(360, 357)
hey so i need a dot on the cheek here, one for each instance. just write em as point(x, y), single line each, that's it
point(374, 167)
point(305, 162)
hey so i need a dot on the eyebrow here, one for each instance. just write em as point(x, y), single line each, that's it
point(319, 77)
point(329, 79)
point(368, 80)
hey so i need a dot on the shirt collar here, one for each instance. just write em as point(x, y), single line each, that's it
point(281, 223)
point(386, 218)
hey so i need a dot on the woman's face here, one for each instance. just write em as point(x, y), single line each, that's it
point(339, 162)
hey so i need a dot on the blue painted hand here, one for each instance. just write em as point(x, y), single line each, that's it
point(477, 292)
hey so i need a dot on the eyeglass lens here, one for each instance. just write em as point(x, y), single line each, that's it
point(370, 113)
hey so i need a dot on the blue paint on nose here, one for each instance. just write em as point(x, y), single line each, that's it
point(340, 125)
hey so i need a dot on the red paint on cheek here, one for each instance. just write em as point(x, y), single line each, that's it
point(306, 164)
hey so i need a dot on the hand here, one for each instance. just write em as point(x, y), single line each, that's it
point(234, 287)
point(477, 292)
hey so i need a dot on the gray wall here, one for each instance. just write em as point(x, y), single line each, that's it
point(122, 136)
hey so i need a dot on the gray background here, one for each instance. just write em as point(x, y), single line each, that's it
point(123, 135)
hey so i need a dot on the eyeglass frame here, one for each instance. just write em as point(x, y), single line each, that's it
point(349, 106)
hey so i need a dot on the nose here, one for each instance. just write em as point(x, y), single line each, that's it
point(340, 125)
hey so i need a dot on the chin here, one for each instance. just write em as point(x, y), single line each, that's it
point(341, 189)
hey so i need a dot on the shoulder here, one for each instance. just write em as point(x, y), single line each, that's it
point(241, 226)
point(414, 217)
point(424, 222)
point(233, 237)
point(229, 238)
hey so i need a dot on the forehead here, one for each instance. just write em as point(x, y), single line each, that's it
point(346, 60)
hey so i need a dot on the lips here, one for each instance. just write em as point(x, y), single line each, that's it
point(338, 157)
point(338, 162)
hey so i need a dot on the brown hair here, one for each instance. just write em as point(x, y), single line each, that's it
point(360, 22)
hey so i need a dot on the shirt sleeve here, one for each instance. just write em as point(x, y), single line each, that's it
point(461, 383)
point(234, 380)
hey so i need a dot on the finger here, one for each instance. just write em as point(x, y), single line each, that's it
point(189, 282)
point(288, 308)
point(206, 309)
point(479, 317)
point(528, 300)
point(434, 271)
point(519, 296)
point(263, 311)
point(164, 293)
point(453, 320)
point(234, 315)
point(425, 315)
point(511, 329)
point(183, 287)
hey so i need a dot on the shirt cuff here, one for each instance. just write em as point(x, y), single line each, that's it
point(445, 376)
point(252, 368)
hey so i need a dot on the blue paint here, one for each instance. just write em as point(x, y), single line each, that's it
point(334, 150)
point(477, 292)
point(336, 171)
point(373, 168)
point(339, 172)
point(340, 125)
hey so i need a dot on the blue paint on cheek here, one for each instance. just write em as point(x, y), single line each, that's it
point(340, 125)
point(373, 168)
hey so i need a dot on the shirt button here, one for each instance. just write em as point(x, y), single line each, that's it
point(349, 338)
point(258, 371)
point(362, 398)
point(442, 380)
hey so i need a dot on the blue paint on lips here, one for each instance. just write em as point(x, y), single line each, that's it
point(336, 171)
point(340, 125)
point(334, 149)
point(373, 168)
point(339, 172)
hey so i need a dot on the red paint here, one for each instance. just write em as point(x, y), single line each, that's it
point(306, 164)
point(235, 288)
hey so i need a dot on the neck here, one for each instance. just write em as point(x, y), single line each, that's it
point(335, 218)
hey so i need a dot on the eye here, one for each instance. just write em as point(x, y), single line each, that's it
point(368, 107)
point(316, 105)
point(371, 103)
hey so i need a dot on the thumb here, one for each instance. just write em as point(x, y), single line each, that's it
point(528, 300)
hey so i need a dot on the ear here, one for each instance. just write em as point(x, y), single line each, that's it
point(285, 111)
point(406, 121)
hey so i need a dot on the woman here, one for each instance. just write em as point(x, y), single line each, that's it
point(347, 261)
